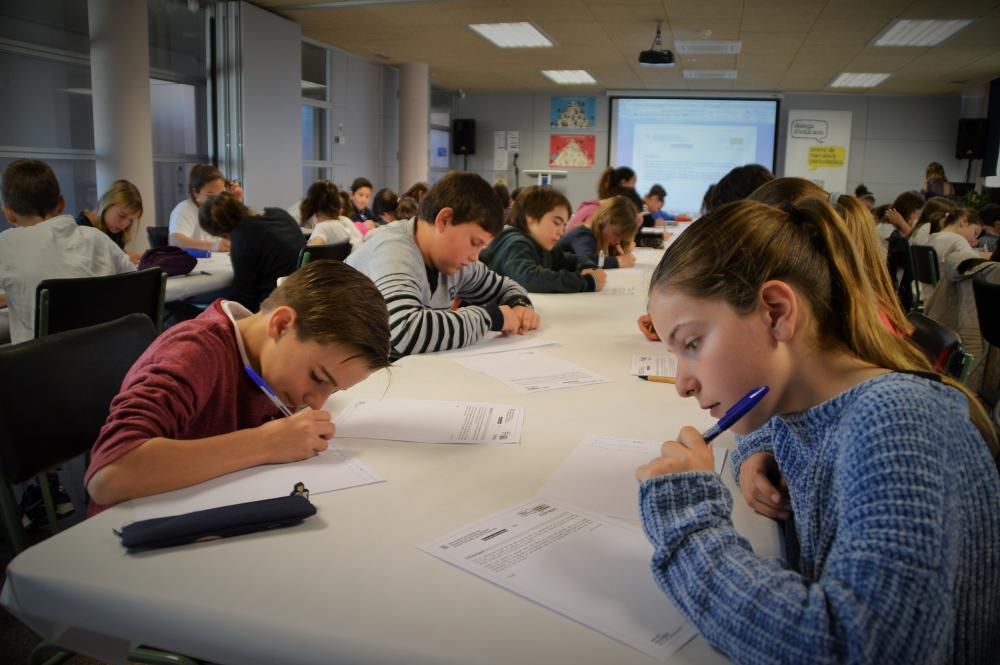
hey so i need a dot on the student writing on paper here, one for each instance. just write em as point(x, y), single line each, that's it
point(889, 469)
point(526, 249)
point(204, 182)
point(607, 238)
point(425, 264)
point(189, 411)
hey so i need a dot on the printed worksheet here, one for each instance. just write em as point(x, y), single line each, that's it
point(654, 365)
point(599, 475)
point(494, 342)
point(531, 371)
point(589, 569)
point(333, 469)
point(430, 421)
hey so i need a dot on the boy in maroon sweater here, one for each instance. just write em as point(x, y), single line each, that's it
point(188, 410)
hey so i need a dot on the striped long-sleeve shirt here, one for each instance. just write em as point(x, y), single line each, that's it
point(420, 320)
point(895, 500)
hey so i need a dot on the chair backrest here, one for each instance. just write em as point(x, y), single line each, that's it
point(56, 391)
point(158, 236)
point(64, 304)
point(336, 250)
point(925, 264)
point(987, 296)
point(941, 344)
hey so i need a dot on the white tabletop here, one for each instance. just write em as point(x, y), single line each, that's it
point(349, 585)
point(211, 274)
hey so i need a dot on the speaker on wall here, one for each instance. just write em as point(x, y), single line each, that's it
point(972, 135)
point(463, 136)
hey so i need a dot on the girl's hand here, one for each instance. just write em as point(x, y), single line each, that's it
point(688, 453)
point(296, 437)
point(645, 322)
point(893, 217)
point(625, 260)
point(763, 487)
point(600, 277)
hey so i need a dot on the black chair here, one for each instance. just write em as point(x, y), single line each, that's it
point(159, 236)
point(77, 372)
point(925, 269)
point(987, 295)
point(64, 304)
point(941, 345)
point(337, 250)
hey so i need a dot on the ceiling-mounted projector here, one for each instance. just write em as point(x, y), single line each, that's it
point(656, 55)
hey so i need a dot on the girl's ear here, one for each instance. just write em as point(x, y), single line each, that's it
point(780, 307)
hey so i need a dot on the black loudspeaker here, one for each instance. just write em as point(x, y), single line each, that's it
point(971, 143)
point(463, 136)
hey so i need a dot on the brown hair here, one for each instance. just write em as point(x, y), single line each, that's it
point(360, 183)
point(322, 197)
point(536, 202)
point(417, 191)
point(617, 211)
point(30, 188)
point(861, 226)
point(730, 252)
point(738, 184)
point(908, 203)
point(125, 194)
point(503, 194)
point(345, 202)
point(385, 200)
point(407, 208)
point(221, 214)
point(935, 171)
point(336, 304)
point(610, 182)
point(471, 199)
point(201, 175)
point(937, 213)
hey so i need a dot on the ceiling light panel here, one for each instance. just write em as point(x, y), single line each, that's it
point(512, 35)
point(569, 76)
point(707, 47)
point(729, 74)
point(910, 32)
point(857, 80)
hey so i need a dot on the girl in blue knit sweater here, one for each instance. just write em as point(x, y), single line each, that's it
point(889, 472)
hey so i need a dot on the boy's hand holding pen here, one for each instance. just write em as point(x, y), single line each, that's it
point(297, 437)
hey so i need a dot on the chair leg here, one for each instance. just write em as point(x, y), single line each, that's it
point(48, 654)
point(11, 513)
point(50, 504)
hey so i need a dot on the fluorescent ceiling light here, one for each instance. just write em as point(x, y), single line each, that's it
point(569, 76)
point(512, 35)
point(851, 80)
point(710, 74)
point(910, 32)
point(707, 47)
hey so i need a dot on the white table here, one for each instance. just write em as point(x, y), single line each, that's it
point(349, 585)
point(209, 275)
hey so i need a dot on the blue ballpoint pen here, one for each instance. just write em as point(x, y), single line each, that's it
point(737, 411)
point(273, 396)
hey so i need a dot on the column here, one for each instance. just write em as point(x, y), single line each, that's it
point(414, 123)
point(119, 79)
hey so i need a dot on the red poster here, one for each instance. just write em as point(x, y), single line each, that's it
point(574, 151)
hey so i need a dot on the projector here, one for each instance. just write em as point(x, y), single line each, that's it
point(656, 58)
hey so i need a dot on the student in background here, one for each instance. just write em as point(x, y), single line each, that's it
point(188, 411)
point(736, 185)
point(516, 192)
point(504, 195)
point(406, 208)
point(265, 245)
point(606, 238)
point(933, 217)
point(990, 217)
point(44, 243)
point(894, 228)
point(384, 206)
point(118, 213)
point(655, 214)
point(956, 241)
point(361, 195)
point(321, 208)
point(855, 436)
point(417, 192)
point(936, 182)
point(526, 249)
point(204, 182)
point(861, 228)
point(440, 295)
point(613, 182)
point(865, 195)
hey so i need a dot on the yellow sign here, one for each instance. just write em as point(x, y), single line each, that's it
point(826, 157)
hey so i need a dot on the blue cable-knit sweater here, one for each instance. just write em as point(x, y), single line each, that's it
point(897, 510)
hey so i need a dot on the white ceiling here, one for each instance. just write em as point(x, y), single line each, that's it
point(788, 45)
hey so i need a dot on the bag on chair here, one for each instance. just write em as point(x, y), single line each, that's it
point(171, 260)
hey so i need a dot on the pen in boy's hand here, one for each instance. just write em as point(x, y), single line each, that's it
point(737, 411)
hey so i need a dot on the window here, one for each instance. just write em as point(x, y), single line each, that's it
point(317, 112)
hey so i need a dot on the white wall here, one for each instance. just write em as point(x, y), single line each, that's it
point(892, 138)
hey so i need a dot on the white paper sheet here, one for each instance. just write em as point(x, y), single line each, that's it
point(430, 421)
point(654, 365)
point(333, 469)
point(599, 475)
point(619, 291)
point(531, 371)
point(494, 342)
point(593, 571)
